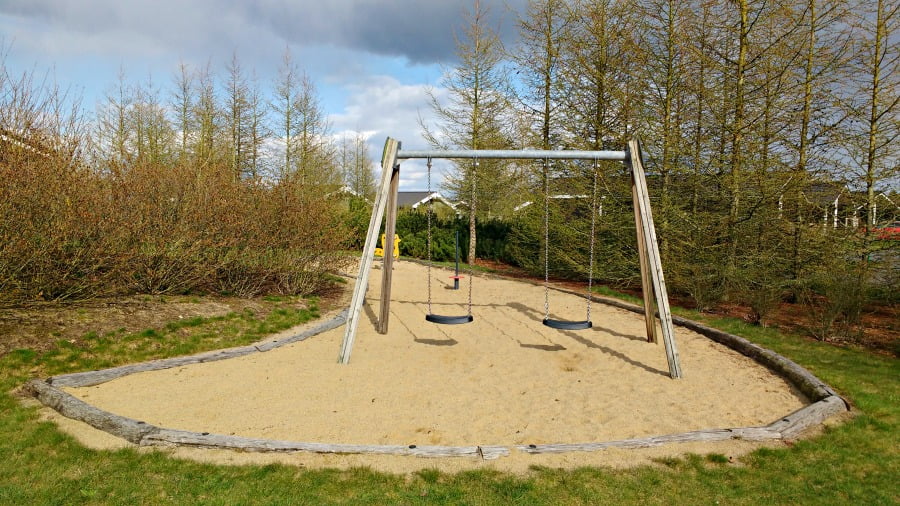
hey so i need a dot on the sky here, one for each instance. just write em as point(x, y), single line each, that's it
point(371, 60)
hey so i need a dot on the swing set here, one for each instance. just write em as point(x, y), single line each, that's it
point(385, 206)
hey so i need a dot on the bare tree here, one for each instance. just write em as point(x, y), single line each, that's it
point(477, 116)
point(537, 58)
point(206, 118)
point(597, 83)
point(874, 101)
point(820, 70)
point(113, 132)
point(153, 134)
point(314, 150)
point(257, 127)
point(285, 106)
point(183, 105)
point(664, 59)
point(356, 165)
point(239, 119)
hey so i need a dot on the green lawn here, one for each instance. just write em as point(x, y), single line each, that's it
point(854, 463)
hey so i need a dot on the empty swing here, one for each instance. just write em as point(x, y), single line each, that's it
point(436, 318)
point(567, 324)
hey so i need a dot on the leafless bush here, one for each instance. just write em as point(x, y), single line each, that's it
point(78, 226)
point(835, 296)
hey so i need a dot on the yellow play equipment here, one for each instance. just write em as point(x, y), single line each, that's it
point(379, 252)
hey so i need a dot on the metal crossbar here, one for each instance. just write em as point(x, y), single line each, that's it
point(511, 154)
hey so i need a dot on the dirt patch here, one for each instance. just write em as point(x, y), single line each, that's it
point(40, 326)
point(878, 330)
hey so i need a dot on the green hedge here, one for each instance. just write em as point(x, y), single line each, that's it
point(515, 242)
point(412, 227)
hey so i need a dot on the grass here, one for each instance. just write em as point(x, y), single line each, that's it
point(615, 294)
point(179, 337)
point(853, 463)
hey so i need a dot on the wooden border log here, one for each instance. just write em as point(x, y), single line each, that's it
point(493, 452)
point(333, 323)
point(168, 437)
point(91, 378)
point(144, 434)
point(69, 406)
point(588, 447)
point(698, 436)
point(810, 385)
point(827, 403)
point(798, 421)
point(744, 433)
point(149, 435)
point(755, 433)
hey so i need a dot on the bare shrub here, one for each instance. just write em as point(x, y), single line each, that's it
point(760, 283)
point(78, 226)
point(700, 272)
point(835, 296)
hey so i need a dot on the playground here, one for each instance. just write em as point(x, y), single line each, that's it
point(182, 322)
point(519, 385)
point(503, 380)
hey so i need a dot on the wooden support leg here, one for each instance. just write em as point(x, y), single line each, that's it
point(388, 160)
point(646, 283)
point(653, 258)
point(390, 227)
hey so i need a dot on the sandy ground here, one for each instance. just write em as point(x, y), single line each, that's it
point(504, 379)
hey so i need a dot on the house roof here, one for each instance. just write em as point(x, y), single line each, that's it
point(525, 204)
point(409, 199)
point(415, 199)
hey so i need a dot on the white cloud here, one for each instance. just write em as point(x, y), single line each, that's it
point(370, 60)
point(384, 107)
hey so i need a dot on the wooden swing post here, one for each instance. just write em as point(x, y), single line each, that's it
point(390, 177)
point(651, 264)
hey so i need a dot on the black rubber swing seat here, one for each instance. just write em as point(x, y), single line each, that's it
point(568, 325)
point(448, 320)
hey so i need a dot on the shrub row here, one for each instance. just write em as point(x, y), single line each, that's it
point(70, 231)
point(412, 227)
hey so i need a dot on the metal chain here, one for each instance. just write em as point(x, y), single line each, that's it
point(472, 260)
point(546, 239)
point(593, 228)
point(429, 211)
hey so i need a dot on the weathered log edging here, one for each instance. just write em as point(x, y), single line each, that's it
point(782, 429)
point(811, 386)
point(72, 407)
point(826, 403)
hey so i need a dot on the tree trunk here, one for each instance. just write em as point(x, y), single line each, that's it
point(880, 30)
point(803, 148)
point(737, 133)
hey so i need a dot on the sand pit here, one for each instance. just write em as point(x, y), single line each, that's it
point(504, 379)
